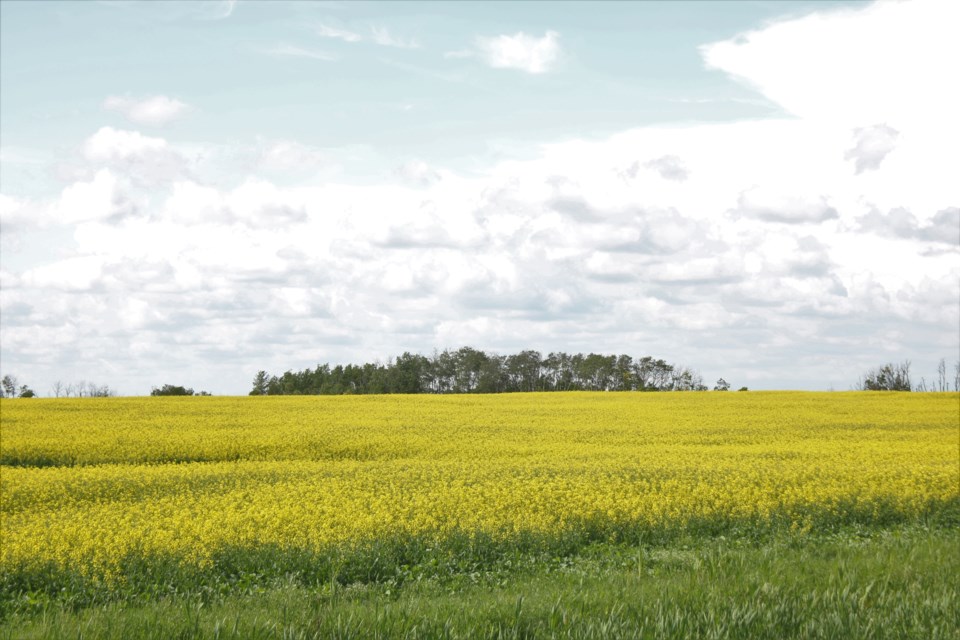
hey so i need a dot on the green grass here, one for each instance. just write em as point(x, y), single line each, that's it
point(893, 582)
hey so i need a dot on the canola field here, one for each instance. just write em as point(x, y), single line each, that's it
point(113, 491)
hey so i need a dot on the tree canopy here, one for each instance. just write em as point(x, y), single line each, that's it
point(171, 390)
point(889, 377)
point(469, 370)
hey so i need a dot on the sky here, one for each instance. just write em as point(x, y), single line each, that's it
point(191, 192)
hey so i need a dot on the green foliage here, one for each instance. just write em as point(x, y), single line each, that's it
point(260, 384)
point(469, 370)
point(464, 558)
point(172, 390)
point(889, 377)
point(850, 583)
point(9, 388)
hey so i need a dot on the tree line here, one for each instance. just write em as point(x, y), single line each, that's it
point(469, 370)
point(176, 390)
point(10, 387)
point(896, 377)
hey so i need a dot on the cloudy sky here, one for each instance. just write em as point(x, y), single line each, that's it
point(191, 192)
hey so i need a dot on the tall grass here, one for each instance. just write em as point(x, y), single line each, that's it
point(855, 583)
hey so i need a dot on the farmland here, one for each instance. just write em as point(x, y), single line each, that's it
point(120, 505)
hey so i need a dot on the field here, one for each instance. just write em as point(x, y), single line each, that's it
point(555, 515)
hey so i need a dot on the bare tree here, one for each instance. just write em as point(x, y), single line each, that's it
point(82, 389)
point(942, 376)
point(101, 391)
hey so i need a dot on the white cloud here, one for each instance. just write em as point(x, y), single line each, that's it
point(378, 35)
point(146, 160)
point(383, 37)
point(17, 214)
point(855, 66)
point(190, 203)
point(261, 204)
point(155, 111)
point(101, 198)
point(293, 51)
point(520, 51)
point(226, 9)
point(286, 155)
point(254, 203)
point(872, 146)
point(109, 144)
point(689, 242)
point(943, 227)
point(417, 172)
point(78, 274)
point(326, 31)
point(669, 167)
point(788, 208)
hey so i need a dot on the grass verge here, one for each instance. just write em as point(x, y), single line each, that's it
point(894, 582)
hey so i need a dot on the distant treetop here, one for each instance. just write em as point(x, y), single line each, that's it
point(171, 390)
point(469, 370)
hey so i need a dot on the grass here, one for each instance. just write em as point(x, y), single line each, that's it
point(856, 582)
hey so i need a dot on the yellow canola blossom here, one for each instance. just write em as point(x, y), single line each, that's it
point(89, 483)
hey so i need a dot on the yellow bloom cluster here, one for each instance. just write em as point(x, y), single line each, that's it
point(86, 483)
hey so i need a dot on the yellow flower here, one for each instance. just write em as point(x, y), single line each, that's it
point(88, 483)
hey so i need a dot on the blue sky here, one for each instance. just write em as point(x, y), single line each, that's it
point(194, 191)
point(260, 72)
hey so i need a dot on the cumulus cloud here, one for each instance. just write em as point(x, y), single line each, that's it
point(191, 203)
point(654, 232)
point(286, 155)
point(769, 206)
point(80, 273)
point(146, 160)
point(802, 257)
point(255, 203)
point(669, 167)
point(422, 236)
point(751, 238)
point(18, 215)
point(861, 68)
point(871, 146)
point(520, 51)
point(102, 198)
point(154, 111)
point(261, 204)
point(417, 172)
point(943, 227)
point(109, 144)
